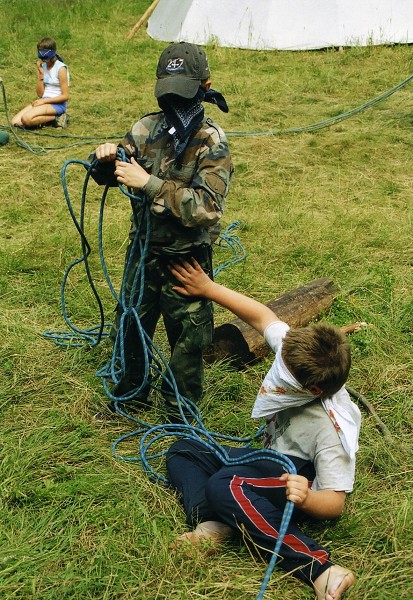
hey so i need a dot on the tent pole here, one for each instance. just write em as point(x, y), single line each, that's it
point(143, 18)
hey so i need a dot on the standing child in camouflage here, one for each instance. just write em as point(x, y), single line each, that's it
point(180, 160)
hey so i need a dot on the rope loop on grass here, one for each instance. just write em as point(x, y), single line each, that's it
point(326, 122)
point(40, 150)
point(292, 130)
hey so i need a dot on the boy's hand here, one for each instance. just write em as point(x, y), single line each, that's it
point(320, 504)
point(193, 278)
point(106, 152)
point(131, 174)
point(296, 488)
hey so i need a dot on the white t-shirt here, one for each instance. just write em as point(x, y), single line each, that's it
point(52, 87)
point(308, 433)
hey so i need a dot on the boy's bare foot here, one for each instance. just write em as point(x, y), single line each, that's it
point(208, 530)
point(333, 583)
point(207, 535)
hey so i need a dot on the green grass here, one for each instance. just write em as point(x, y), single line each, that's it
point(74, 522)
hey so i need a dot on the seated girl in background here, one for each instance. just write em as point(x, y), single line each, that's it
point(52, 90)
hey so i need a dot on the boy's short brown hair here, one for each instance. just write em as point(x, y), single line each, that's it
point(318, 355)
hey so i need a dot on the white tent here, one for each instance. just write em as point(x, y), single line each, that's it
point(283, 24)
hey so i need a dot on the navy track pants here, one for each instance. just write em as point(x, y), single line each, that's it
point(249, 498)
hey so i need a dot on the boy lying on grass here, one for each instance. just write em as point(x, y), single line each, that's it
point(309, 418)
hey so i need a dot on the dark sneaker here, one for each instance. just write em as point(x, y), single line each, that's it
point(141, 402)
point(107, 415)
point(131, 407)
point(136, 404)
point(173, 416)
point(61, 121)
point(125, 387)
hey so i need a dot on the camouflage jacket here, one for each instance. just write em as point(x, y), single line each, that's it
point(187, 199)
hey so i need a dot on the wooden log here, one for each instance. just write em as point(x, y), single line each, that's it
point(143, 19)
point(242, 345)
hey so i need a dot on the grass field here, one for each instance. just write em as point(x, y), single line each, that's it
point(75, 523)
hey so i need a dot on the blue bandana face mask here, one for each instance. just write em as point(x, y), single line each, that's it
point(46, 54)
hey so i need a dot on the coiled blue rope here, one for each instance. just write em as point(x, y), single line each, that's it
point(229, 239)
point(77, 337)
point(192, 424)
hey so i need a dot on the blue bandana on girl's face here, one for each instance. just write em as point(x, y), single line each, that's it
point(46, 54)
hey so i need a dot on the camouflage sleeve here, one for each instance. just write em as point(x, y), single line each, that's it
point(195, 200)
point(138, 139)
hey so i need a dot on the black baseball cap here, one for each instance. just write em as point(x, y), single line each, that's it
point(181, 68)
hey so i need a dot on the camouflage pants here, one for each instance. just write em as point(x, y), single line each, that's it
point(188, 324)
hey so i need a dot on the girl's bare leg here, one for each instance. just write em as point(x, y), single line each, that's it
point(17, 119)
point(32, 116)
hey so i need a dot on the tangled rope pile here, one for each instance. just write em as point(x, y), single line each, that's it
point(192, 425)
point(75, 336)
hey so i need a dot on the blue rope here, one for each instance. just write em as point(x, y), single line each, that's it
point(209, 441)
point(77, 337)
point(272, 132)
point(192, 424)
point(228, 239)
point(92, 336)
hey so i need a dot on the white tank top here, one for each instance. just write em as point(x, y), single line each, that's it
point(52, 87)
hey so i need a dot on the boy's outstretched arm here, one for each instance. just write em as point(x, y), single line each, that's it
point(195, 282)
